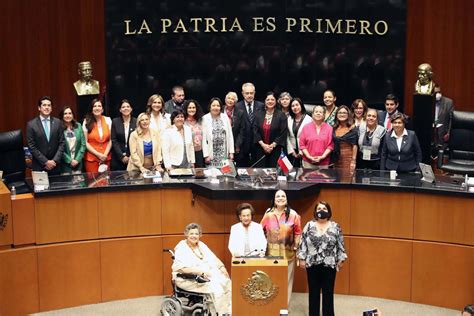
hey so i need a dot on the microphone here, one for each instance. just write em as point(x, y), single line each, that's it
point(247, 255)
point(256, 162)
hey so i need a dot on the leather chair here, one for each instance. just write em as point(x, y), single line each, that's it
point(460, 148)
point(12, 160)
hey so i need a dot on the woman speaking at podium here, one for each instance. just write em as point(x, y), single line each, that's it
point(322, 252)
point(282, 226)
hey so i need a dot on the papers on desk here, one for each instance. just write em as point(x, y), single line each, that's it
point(212, 172)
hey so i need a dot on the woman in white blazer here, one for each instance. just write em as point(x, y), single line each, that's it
point(177, 143)
point(218, 140)
point(296, 121)
point(145, 146)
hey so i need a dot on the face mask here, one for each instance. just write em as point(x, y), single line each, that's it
point(322, 214)
point(438, 96)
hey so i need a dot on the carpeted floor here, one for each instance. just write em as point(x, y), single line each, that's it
point(345, 305)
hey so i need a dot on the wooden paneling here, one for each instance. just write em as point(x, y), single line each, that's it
point(260, 206)
point(180, 207)
point(133, 214)
point(6, 226)
point(46, 39)
point(19, 282)
point(383, 214)
point(340, 201)
point(443, 275)
point(23, 211)
point(381, 268)
point(444, 218)
point(72, 217)
point(131, 268)
point(69, 275)
point(439, 32)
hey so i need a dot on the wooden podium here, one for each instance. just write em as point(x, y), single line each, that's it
point(259, 286)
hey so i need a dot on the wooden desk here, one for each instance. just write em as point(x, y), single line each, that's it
point(265, 278)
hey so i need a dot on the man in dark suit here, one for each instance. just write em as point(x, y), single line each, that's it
point(176, 101)
point(45, 138)
point(391, 108)
point(249, 107)
point(442, 120)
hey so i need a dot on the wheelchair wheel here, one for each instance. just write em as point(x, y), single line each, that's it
point(198, 312)
point(171, 307)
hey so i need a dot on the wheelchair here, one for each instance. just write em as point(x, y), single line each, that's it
point(183, 302)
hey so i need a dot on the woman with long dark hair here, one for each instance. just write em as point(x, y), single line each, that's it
point(193, 119)
point(97, 133)
point(282, 227)
point(75, 143)
point(122, 128)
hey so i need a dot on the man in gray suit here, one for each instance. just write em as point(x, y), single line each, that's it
point(442, 120)
point(45, 138)
point(176, 101)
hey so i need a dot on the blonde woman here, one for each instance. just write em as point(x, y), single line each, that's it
point(145, 147)
point(159, 119)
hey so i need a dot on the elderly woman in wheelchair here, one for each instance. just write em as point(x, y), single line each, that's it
point(196, 269)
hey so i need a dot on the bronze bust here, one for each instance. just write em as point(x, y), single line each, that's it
point(86, 85)
point(425, 84)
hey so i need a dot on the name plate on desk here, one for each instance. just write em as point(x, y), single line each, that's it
point(40, 180)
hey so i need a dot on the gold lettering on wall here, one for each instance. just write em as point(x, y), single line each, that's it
point(261, 24)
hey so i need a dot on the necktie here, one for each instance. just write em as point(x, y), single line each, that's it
point(389, 124)
point(251, 117)
point(46, 128)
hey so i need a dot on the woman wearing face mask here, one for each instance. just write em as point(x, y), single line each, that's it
point(401, 149)
point(282, 227)
point(75, 144)
point(370, 142)
point(218, 141)
point(322, 253)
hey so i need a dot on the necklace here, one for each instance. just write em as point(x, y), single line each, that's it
point(197, 251)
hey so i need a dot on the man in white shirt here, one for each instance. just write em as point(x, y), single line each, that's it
point(247, 237)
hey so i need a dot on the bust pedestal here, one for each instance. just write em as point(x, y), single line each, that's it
point(83, 102)
point(423, 115)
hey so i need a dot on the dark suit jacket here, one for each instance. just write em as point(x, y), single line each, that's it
point(444, 117)
point(383, 114)
point(248, 137)
point(40, 148)
point(118, 141)
point(278, 128)
point(169, 106)
point(238, 127)
point(405, 160)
